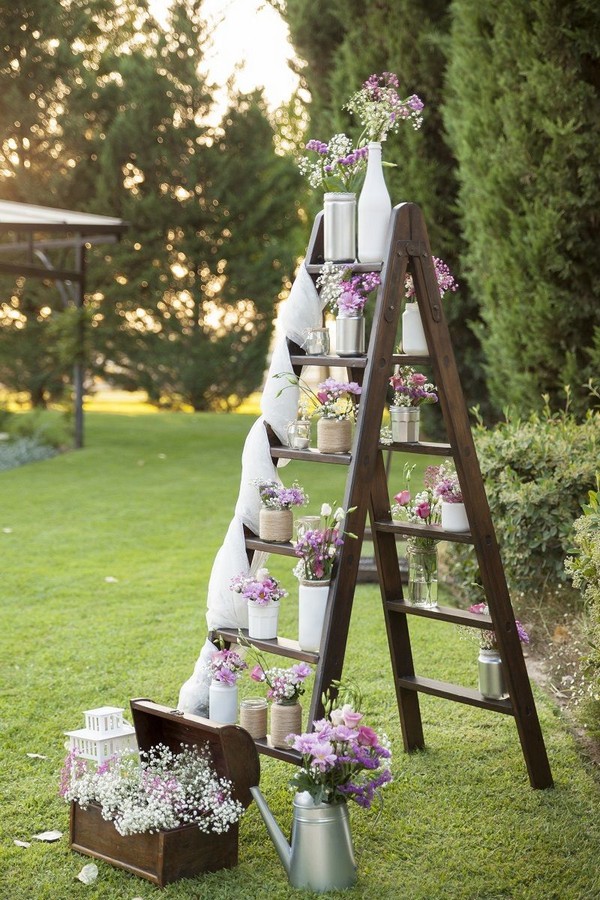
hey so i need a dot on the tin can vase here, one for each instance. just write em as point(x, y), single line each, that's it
point(454, 517)
point(253, 717)
point(405, 422)
point(223, 702)
point(422, 572)
point(339, 227)
point(263, 620)
point(350, 335)
point(414, 342)
point(312, 605)
point(275, 525)
point(491, 677)
point(286, 718)
point(334, 435)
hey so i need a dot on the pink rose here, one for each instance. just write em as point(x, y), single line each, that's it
point(423, 510)
point(403, 498)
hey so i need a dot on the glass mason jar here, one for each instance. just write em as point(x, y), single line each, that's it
point(298, 434)
point(422, 572)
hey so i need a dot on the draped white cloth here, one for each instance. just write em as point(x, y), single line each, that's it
point(226, 609)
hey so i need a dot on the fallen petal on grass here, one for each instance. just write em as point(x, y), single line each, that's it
point(88, 874)
point(22, 843)
point(48, 836)
point(37, 756)
point(110, 579)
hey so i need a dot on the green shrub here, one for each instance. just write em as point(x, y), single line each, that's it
point(584, 568)
point(21, 451)
point(47, 427)
point(537, 473)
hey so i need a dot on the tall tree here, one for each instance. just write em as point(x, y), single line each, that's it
point(522, 110)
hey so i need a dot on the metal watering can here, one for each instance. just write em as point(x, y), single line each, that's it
point(321, 856)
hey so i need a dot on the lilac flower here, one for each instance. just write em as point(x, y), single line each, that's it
point(444, 278)
point(226, 666)
point(411, 388)
point(487, 639)
point(338, 167)
point(273, 494)
point(285, 685)
point(317, 548)
point(261, 589)
point(344, 293)
point(379, 108)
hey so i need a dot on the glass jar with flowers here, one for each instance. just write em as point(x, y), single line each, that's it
point(422, 551)
point(335, 404)
point(414, 341)
point(338, 168)
point(447, 489)
point(225, 669)
point(489, 664)
point(346, 295)
point(342, 759)
point(263, 593)
point(411, 391)
point(286, 686)
point(275, 518)
point(316, 549)
point(380, 110)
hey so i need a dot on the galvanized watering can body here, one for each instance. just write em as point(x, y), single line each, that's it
point(321, 857)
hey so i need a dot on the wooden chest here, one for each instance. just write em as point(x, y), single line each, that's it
point(182, 852)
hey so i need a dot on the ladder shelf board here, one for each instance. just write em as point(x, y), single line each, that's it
point(428, 448)
point(410, 359)
point(312, 455)
point(442, 613)
point(291, 756)
point(279, 646)
point(456, 692)
point(412, 529)
point(329, 362)
point(357, 267)
point(284, 548)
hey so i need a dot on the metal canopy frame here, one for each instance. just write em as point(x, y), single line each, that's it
point(19, 219)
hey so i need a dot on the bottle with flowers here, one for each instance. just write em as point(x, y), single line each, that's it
point(262, 593)
point(423, 509)
point(447, 489)
point(414, 341)
point(489, 664)
point(286, 686)
point(411, 391)
point(346, 295)
point(380, 110)
point(225, 668)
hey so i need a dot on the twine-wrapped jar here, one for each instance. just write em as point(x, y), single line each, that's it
point(276, 525)
point(286, 718)
point(334, 435)
point(253, 717)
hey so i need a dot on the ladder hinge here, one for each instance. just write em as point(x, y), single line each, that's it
point(411, 248)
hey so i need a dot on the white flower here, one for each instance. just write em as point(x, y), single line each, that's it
point(339, 514)
point(262, 575)
point(326, 509)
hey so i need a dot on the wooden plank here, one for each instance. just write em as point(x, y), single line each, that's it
point(454, 692)
point(442, 613)
point(329, 362)
point(427, 448)
point(283, 549)
point(264, 746)
point(312, 455)
point(413, 529)
point(280, 646)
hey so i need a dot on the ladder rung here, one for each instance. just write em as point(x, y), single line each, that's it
point(443, 613)
point(280, 646)
point(330, 362)
point(431, 449)
point(312, 455)
point(454, 692)
point(291, 756)
point(316, 268)
point(284, 548)
point(405, 359)
point(411, 529)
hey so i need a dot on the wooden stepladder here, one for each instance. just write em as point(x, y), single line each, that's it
point(367, 491)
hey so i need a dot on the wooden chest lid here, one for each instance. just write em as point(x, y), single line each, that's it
point(233, 750)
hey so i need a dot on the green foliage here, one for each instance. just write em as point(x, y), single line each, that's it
point(584, 569)
point(136, 505)
point(537, 471)
point(521, 111)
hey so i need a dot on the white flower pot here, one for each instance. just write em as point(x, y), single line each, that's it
point(262, 620)
point(405, 422)
point(454, 517)
point(312, 604)
point(413, 335)
point(374, 210)
point(223, 702)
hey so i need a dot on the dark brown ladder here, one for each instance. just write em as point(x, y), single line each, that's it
point(367, 491)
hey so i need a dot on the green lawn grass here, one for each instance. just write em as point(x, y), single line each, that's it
point(147, 502)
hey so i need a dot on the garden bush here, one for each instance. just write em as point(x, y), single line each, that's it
point(537, 473)
point(20, 451)
point(584, 568)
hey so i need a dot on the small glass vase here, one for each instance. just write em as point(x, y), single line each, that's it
point(317, 342)
point(298, 434)
point(422, 572)
point(286, 718)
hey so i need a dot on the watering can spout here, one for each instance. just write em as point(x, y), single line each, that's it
point(281, 845)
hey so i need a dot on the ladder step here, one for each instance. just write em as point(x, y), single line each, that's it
point(291, 756)
point(279, 646)
point(405, 359)
point(426, 447)
point(316, 268)
point(454, 692)
point(330, 362)
point(411, 529)
point(443, 614)
point(311, 455)
point(284, 549)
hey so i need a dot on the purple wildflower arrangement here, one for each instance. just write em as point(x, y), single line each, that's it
point(342, 759)
point(285, 685)
point(444, 277)
point(380, 109)
point(336, 166)
point(274, 495)
point(317, 548)
point(331, 400)
point(411, 388)
point(260, 589)
point(157, 790)
point(344, 293)
point(487, 640)
point(226, 666)
point(446, 485)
